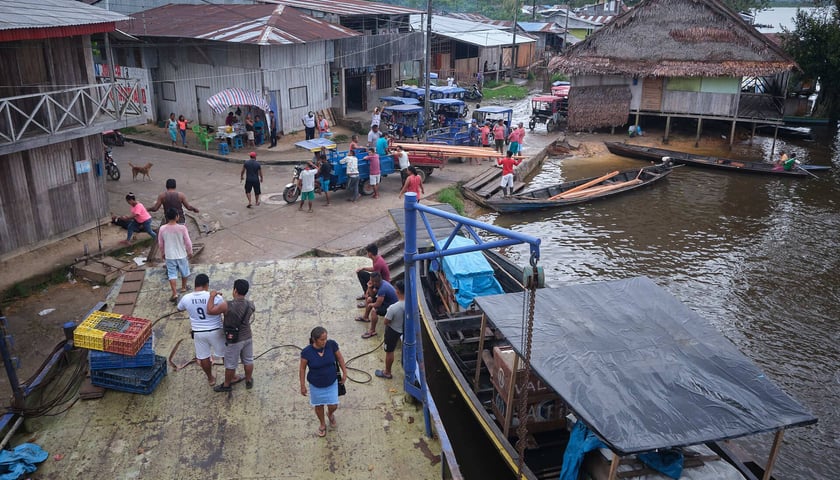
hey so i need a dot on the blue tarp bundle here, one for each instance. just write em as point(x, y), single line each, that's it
point(469, 273)
point(581, 440)
point(668, 462)
point(20, 461)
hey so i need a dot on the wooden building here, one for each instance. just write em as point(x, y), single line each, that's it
point(461, 48)
point(52, 112)
point(549, 36)
point(675, 58)
point(369, 66)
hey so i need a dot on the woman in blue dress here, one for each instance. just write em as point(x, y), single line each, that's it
point(320, 357)
point(173, 128)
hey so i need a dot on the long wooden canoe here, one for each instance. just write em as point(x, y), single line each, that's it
point(554, 197)
point(656, 154)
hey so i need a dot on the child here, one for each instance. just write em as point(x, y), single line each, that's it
point(306, 182)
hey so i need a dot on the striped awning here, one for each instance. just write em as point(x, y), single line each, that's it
point(236, 96)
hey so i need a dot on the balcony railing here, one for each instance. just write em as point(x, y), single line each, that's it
point(761, 106)
point(28, 120)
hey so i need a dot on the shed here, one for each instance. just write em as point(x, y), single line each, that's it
point(677, 58)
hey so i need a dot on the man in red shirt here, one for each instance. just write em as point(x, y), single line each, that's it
point(378, 265)
point(507, 164)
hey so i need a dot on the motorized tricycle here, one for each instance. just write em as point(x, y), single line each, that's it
point(449, 112)
point(404, 121)
point(493, 114)
point(549, 110)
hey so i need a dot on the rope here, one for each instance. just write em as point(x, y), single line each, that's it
point(522, 429)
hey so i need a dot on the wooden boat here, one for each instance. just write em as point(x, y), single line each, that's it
point(479, 347)
point(656, 154)
point(571, 193)
point(806, 120)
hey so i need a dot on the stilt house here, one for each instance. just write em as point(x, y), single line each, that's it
point(676, 58)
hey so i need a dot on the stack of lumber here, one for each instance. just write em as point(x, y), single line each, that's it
point(450, 150)
point(588, 189)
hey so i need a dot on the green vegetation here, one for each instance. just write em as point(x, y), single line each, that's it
point(815, 45)
point(129, 131)
point(28, 287)
point(558, 77)
point(452, 196)
point(505, 92)
point(340, 138)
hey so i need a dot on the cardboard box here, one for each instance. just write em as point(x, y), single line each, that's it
point(502, 370)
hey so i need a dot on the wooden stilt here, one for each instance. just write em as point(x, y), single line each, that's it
point(732, 135)
point(774, 451)
point(637, 118)
point(699, 129)
point(667, 129)
point(752, 135)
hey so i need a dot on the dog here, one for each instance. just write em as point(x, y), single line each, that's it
point(144, 171)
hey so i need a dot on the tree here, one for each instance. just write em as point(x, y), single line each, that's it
point(815, 45)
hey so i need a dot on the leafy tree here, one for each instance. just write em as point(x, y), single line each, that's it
point(815, 45)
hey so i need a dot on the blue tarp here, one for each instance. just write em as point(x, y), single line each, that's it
point(581, 440)
point(21, 460)
point(469, 274)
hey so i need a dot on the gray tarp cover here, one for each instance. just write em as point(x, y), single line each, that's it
point(642, 369)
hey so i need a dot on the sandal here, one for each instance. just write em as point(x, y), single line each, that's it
point(381, 374)
point(362, 319)
point(322, 431)
point(368, 334)
point(173, 299)
point(333, 423)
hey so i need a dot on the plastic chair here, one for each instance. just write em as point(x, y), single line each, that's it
point(237, 142)
point(206, 139)
point(223, 148)
point(196, 129)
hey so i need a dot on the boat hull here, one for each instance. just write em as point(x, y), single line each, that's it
point(684, 158)
point(540, 199)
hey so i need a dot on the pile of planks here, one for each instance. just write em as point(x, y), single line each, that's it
point(438, 149)
point(328, 114)
point(589, 189)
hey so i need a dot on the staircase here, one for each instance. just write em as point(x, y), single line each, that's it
point(391, 248)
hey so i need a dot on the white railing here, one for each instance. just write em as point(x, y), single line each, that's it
point(49, 113)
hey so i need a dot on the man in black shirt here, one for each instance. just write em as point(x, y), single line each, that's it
point(252, 175)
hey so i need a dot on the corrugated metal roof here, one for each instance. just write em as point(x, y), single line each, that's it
point(348, 7)
point(255, 24)
point(540, 27)
point(470, 32)
point(25, 14)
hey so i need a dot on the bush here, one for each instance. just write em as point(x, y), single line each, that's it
point(341, 138)
point(452, 196)
point(559, 77)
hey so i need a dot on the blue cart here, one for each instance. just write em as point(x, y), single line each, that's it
point(338, 179)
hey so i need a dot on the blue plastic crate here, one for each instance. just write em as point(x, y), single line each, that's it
point(106, 360)
point(133, 380)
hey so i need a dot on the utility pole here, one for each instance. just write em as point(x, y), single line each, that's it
point(513, 45)
point(427, 105)
point(566, 28)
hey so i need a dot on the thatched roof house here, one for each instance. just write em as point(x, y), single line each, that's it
point(678, 57)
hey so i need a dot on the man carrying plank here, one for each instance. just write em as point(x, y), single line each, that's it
point(507, 164)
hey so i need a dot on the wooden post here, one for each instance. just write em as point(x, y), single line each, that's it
point(478, 355)
point(752, 135)
point(732, 135)
point(699, 129)
point(774, 451)
point(509, 396)
point(773, 146)
point(614, 467)
point(667, 129)
point(637, 118)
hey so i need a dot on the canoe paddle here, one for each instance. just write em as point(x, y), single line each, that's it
point(799, 166)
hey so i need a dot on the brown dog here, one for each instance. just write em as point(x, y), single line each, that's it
point(144, 171)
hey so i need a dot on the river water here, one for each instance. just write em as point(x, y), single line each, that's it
point(755, 255)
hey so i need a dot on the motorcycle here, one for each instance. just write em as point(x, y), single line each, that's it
point(111, 166)
point(292, 190)
point(113, 138)
point(473, 93)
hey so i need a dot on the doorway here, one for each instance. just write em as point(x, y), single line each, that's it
point(355, 92)
point(205, 113)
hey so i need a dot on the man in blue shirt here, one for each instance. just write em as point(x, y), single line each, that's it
point(382, 145)
point(385, 297)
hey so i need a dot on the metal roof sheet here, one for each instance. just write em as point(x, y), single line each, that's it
point(540, 27)
point(21, 14)
point(470, 32)
point(254, 24)
point(348, 7)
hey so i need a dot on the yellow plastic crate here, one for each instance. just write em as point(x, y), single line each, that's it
point(91, 338)
point(93, 319)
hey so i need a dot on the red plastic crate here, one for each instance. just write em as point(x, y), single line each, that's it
point(130, 341)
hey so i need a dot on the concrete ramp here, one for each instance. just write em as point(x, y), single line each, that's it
point(185, 430)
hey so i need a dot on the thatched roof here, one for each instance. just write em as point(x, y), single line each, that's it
point(676, 38)
point(613, 103)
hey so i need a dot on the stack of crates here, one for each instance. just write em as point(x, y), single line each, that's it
point(121, 354)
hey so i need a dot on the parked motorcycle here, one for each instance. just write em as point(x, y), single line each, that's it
point(473, 93)
point(292, 190)
point(112, 138)
point(111, 166)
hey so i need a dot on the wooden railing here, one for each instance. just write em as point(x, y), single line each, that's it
point(761, 106)
point(78, 109)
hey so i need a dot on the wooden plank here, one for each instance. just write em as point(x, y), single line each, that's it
point(481, 179)
point(586, 185)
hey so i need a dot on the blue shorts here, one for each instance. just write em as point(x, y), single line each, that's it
point(325, 185)
point(175, 266)
point(514, 147)
point(310, 195)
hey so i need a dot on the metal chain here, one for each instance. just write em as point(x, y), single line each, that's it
point(522, 429)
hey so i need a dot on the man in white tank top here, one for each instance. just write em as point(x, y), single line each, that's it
point(207, 333)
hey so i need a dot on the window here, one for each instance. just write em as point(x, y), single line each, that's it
point(383, 77)
point(167, 91)
point(298, 97)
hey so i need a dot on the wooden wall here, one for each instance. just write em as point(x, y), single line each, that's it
point(383, 49)
point(43, 198)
